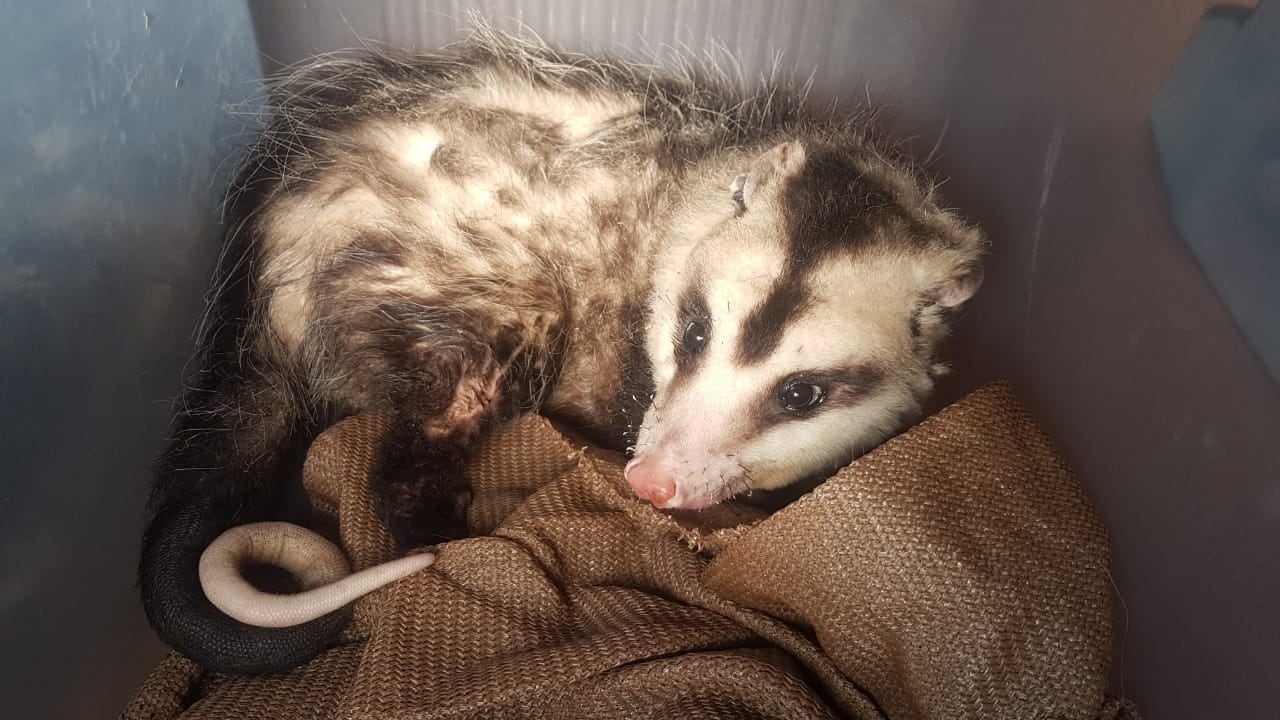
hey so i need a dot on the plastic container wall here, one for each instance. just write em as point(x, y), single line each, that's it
point(115, 123)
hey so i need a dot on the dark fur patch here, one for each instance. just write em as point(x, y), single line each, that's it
point(915, 321)
point(508, 197)
point(832, 206)
point(692, 308)
point(635, 387)
point(370, 249)
point(419, 486)
point(434, 364)
point(451, 162)
point(763, 328)
point(844, 387)
point(849, 386)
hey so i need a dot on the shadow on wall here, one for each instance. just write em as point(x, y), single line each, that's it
point(1217, 128)
point(116, 132)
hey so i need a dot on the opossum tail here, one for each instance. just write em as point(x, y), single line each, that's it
point(235, 443)
point(319, 566)
point(238, 438)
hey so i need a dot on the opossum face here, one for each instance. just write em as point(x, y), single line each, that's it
point(798, 329)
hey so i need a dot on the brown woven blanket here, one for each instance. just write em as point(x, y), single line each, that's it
point(958, 571)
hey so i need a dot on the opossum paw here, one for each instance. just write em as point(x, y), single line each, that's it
point(420, 490)
point(436, 513)
point(436, 520)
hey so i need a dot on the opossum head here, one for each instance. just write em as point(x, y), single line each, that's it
point(797, 327)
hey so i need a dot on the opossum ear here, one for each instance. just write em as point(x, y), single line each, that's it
point(959, 288)
point(780, 161)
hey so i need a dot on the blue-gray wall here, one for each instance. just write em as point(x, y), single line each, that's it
point(114, 122)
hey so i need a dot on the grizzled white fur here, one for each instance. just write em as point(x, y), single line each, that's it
point(741, 291)
point(534, 157)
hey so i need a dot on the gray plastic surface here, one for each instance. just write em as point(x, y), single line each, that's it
point(114, 124)
point(1038, 112)
point(1217, 129)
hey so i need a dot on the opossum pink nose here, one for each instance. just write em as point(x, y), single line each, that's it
point(649, 481)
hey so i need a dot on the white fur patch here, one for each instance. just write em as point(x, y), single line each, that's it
point(298, 232)
point(419, 145)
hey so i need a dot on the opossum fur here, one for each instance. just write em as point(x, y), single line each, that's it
point(739, 291)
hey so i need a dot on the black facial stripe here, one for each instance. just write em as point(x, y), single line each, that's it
point(835, 204)
point(832, 206)
point(844, 387)
point(915, 321)
point(849, 386)
point(692, 307)
point(764, 326)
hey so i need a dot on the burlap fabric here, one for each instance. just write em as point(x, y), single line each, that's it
point(958, 571)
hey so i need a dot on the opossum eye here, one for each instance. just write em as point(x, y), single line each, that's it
point(694, 338)
point(799, 396)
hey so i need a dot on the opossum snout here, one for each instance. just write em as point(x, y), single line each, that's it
point(650, 482)
point(652, 479)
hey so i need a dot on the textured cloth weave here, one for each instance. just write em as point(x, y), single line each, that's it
point(958, 571)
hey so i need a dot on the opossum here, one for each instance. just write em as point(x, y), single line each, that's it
point(740, 291)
